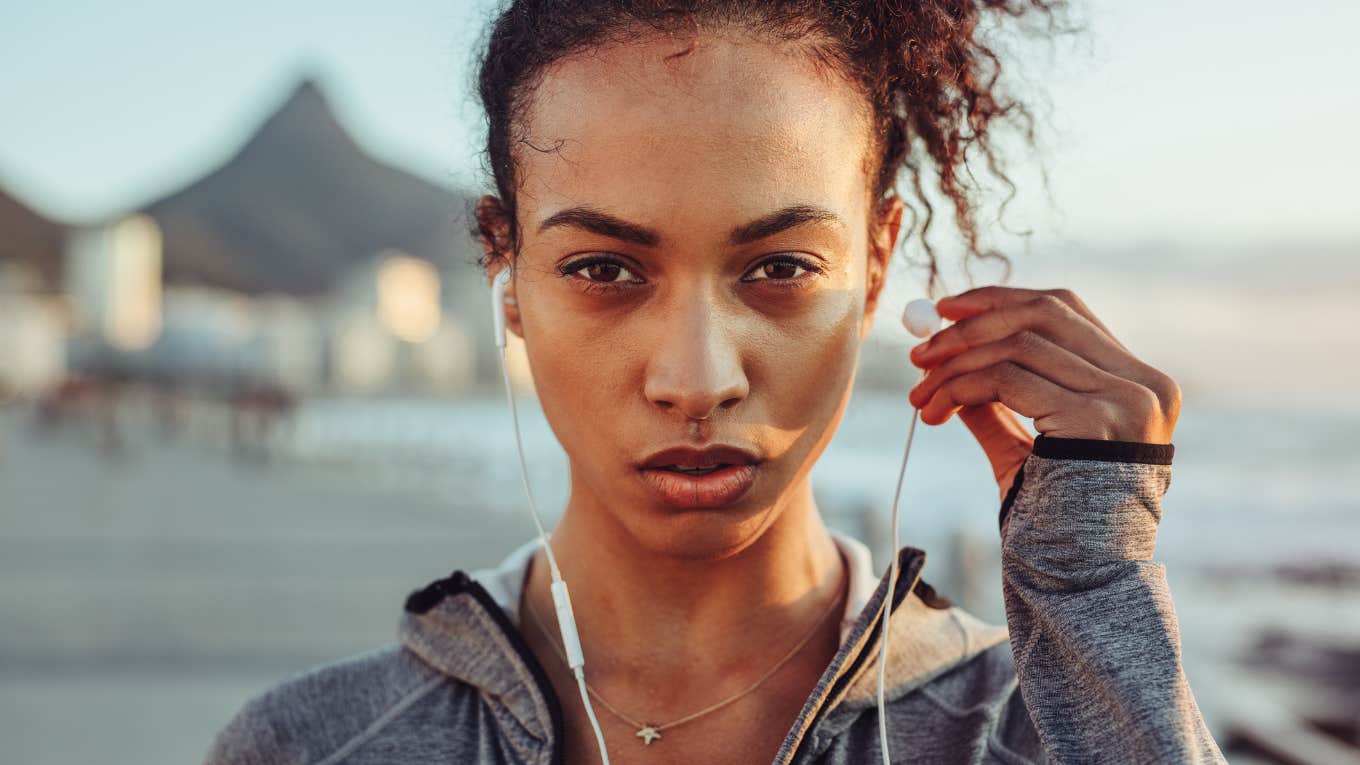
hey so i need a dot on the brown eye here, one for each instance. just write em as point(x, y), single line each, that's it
point(603, 272)
point(600, 273)
point(782, 269)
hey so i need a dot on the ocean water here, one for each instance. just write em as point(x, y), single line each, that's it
point(1246, 469)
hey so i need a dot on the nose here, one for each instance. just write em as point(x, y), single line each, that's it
point(695, 366)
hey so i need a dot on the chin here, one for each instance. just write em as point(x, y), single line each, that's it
point(700, 533)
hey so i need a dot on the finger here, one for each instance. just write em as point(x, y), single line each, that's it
point(1070, 298)
point(1045, 315)
point(979, 299)
point(994, 422)
point(1007, 383)
point(1004, 439)
point(1029, 350)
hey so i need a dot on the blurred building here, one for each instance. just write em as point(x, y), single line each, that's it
point(388, 324)
point(33, 312)
point(301, 263)
point(113, 275)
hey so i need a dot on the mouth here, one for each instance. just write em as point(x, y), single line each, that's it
point(692, 471)
point(692, 478)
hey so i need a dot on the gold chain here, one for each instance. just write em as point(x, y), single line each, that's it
point(648, 732)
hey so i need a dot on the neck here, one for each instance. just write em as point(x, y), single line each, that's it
point(648, 616)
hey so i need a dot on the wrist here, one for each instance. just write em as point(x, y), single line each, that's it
point(1103, 450)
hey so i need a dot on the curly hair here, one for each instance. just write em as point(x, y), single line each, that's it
point(930, 76)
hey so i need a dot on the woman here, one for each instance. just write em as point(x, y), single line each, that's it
point(696, 203)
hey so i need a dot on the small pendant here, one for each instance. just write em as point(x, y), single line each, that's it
point(648, 734)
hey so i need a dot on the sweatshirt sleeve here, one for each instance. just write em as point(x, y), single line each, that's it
point(1092, 625)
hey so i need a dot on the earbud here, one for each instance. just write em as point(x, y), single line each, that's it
point(921, 319)
point(571, 638)
point(498, 286)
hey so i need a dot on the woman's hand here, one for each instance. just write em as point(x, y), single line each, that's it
point(1043, 354)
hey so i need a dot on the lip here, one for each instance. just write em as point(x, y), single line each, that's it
point(721, 487)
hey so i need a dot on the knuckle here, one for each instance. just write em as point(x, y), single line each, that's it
point(1053, 307)
point(1009, 373)
point(1026, 342)
point(1143, 400)
point(1168, 392)
point(1011, 319)
point(1065, 295)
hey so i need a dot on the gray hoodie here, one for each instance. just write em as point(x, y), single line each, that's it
point(1089, 670)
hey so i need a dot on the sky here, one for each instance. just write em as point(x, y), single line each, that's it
point(1200, 154)
point(1187, 119)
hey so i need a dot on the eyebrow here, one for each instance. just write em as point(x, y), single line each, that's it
point(602, 223)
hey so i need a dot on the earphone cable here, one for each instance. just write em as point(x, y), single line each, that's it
point(524, 470)
point(560, 586)
point(812, 632)
point(888, 596)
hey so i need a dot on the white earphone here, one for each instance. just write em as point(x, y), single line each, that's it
point(920, 319)
point(566, 620)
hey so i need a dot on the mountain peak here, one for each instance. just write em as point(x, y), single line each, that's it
point(298, 204)
point(306, 112)
point(307, 91)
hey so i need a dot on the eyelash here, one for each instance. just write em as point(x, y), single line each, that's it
point(598, 288)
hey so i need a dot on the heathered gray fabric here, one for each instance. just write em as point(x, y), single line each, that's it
point(1091, 617)
point(1096, 674)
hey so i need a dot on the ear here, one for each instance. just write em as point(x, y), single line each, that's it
point(494, 224)
point(887, 224)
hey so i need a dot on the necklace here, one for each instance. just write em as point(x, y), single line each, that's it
point(650, 732)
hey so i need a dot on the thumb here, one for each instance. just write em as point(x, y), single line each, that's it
point(1002, 436)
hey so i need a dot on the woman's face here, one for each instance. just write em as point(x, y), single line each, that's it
point(695, 245)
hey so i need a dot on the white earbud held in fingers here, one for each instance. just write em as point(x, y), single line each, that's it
point(921, 319)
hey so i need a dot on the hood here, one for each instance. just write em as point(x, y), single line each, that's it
point(465, 626)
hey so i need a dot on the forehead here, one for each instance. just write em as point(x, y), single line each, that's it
point(735, 126)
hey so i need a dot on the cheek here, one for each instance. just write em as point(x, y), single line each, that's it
point(806, 363)
point(578, 373)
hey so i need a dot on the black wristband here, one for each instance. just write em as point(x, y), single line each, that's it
point(1103, 450)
